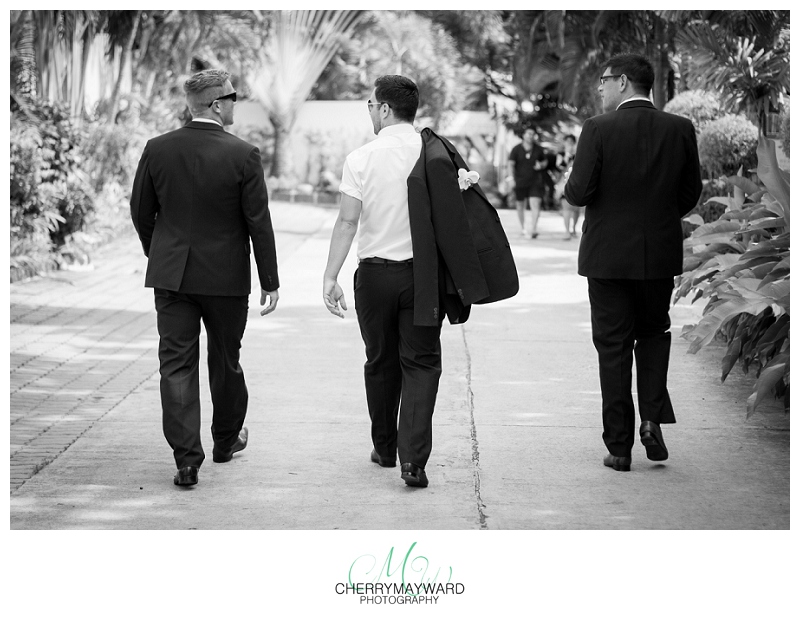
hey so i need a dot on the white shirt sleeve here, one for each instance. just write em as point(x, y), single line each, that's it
point(351, 181)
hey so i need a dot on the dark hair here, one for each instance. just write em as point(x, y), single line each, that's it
point(570, 137)
point(636, 68)
point(400, 93)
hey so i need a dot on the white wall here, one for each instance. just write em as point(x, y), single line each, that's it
point(323, 134)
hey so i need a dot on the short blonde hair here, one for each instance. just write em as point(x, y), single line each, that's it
point(205, 86)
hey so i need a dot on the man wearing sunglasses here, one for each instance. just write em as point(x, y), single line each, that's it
point(637, 172)
point(199, 199)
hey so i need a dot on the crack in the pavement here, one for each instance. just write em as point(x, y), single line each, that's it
point(476, 457)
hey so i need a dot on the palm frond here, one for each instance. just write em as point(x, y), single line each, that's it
point(301, 46)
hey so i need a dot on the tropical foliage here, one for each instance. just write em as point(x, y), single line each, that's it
point(740, 266)
point(785, 134)
point(727, 144)
point(50, 198)
point(699, 106)
point(742, 55)
point(299, 47)
point(408, 43)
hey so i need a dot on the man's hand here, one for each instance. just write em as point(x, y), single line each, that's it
point(273, 301)
point(333, 295)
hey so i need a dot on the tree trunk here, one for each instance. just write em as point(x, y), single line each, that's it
point(658, 59)
point(123, 65)
point(281, 154)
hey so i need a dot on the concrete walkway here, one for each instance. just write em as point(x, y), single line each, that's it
point(517, 430)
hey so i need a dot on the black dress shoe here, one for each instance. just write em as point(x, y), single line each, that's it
point(186, 476)
point(413, 475)
point(223, 456)
point(619, 463)
point(381, 461)
point(653, 441)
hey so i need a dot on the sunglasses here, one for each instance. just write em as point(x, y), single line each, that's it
point(231, 96)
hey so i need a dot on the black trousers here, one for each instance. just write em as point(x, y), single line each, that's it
point(179, 316)
point(404, 362)
point(631, 318)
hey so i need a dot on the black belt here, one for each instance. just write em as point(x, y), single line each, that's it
point(374, 260)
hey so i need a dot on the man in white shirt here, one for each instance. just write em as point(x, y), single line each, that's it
point(403, 360)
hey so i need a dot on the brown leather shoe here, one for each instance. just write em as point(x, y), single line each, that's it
point(413, 475)
point(619, 463)
point(186, 476)
point(375, 458)
point(221, 456)
point(653, 441)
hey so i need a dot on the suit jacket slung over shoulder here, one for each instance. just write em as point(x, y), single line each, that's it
point(461, 253)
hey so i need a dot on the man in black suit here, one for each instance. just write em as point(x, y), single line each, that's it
point(637, 172)
point(198, 199)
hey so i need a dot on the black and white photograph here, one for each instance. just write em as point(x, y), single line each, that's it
point(341, 311)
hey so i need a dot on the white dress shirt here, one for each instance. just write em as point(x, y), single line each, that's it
point(206, 120)
point(636, 98)
point(377, 175)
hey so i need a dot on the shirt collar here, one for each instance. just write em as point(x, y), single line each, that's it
point(393, 130)
point(636, 98)
point(206, 120)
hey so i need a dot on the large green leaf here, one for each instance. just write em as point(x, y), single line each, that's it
point(767, 381)
point(729, 202)
point(766, 224)
point(726, 261)
point(748, 264)
point(770, 174)
point(719, 226)
point(722, 238)
point(746, 185)
point(775, 333)
point(774, 275)
point(768, 247)
point(754, 289)
point(731, 355)
point(742, 215)
point(707, 328)
point(762, 271)
point(784, 264)
point(772, 208)
point(777, 291)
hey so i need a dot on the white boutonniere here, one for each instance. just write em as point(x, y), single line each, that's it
point(466, 179)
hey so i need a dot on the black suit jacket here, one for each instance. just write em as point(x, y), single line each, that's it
point(461, 252)
point(637, 172)
point(198, 199)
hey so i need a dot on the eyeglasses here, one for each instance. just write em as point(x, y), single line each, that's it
point(370, 103)
point(603, 78)
point(231, 96)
